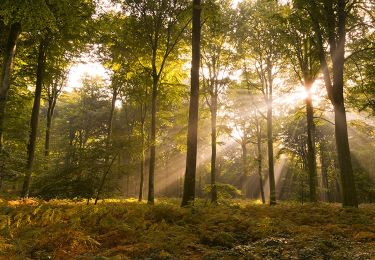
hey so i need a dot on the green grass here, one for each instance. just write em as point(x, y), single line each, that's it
point(126, 229)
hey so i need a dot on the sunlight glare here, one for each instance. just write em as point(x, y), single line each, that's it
point(87, 64)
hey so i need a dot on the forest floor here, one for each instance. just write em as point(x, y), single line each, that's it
point(126, 229)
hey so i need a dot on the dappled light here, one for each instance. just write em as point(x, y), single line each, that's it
point(187, 129)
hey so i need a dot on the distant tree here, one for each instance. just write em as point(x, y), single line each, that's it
point(259, 33)
point(157, 28)
point(247, 124)
point(217, 62)
point(304, 59)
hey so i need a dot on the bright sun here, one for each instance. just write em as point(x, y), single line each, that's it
point(298, 96)
point(85, 67)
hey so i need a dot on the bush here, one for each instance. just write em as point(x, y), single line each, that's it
point(224, 191)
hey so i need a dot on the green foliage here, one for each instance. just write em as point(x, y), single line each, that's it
point(224, 191)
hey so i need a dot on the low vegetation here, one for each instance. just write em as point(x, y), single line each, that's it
point(234, 229)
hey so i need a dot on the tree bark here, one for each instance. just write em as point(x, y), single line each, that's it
point(213, 148)
point(34, 118)
point(244, 168)
point(259, 147)
point(151, 175)
point(324, 170)
point(191, 156)
point(5, 77)
point(349, 194)
point(336, 29)
point(311, 156)
point(271, 170)
point(142, 163)
point(50, 112)
point(6, 73)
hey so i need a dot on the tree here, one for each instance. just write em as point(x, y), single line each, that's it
point(305, 62)
point(158, 27)
point(217, 63)
point(191, 154)
point(54, 89)
point(360, 71)
point(259, 32)
point(246, 128)
point(46, 39)
point(115, 88)
point(6, 72)
point(35, 116)
point(329, 22)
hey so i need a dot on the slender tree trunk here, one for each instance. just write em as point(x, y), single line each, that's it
point(191, 156)
point(111, 116)
point(6, 72)
point(244, 168)
point(142, 163)
point(5, 77)
point(324, 170)
point(259, 147)
point(200, 185)
point(213, 148)
point(109, 140)
point(103, 180)
point(166, 177)
point(34, 118)
point(48, 128)
point(70, 152)
point(271, 170)
point(311, 156)
point(151, 175)
point(50, 112)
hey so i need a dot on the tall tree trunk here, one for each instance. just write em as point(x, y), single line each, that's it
point(50, 112)
point(109, 140)
point(34, 118)
point(142, 164)
point(111, 116)
point(260, 159)
point(102, 181)
point(311, 156)
point(271, 170)
point(324, 170)
point(341, 129)
point(191, 156)
point(166, 177)
point(151, 174)
point(349, 194)
point(6, 73)
point(48, 129)
point(213, 148)
point(5, 76)
point(336, 23)
point(244, 168)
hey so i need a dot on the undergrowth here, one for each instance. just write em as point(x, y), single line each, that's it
point(126, 229)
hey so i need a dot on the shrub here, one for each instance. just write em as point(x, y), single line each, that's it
point(224, 191)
